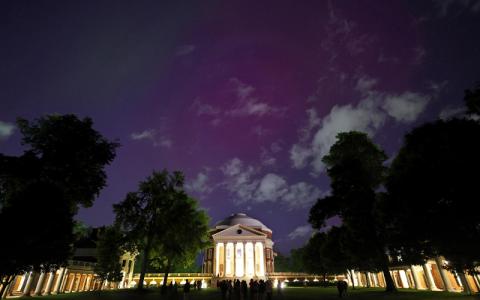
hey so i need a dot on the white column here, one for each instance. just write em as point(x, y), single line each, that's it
point(56, 288)
point(239, 260)
point(359, 279)
point(367, 277)
point(28, 285)
point(249, 260)
point(375, 279)
point(416, 282)
point(428, 274)
point(403, 278)
point(38, 288)
point(259, 259)
point(217, 259)
point(49, 283)
point(22, 281)
point(63, 283)
point(443, 275)
point(230, 260)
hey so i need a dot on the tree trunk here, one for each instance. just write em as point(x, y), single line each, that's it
point(324, 279)
point(351, 278)
point(143, 269)
point(367, 278)
point(5, 283)
point(165, 277)
point(389, 284)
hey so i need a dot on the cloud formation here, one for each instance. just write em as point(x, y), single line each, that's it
point(6, 130)
point(153, 136)
point(200, 184)
point(300, 232)
point(249, 105)
point(405, 107)
point(367, 116)
point(248, 185)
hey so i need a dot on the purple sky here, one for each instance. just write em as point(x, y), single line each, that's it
point(245, 97)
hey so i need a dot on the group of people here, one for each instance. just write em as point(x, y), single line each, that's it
point(239, 290)
point(172, 289)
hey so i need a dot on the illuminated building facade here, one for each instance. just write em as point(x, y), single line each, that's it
point(242, 248)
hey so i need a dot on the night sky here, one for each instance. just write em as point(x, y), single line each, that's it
point(245, 97)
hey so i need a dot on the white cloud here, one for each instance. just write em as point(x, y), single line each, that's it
point(405, 107)
point(200, 184)
point(366, 117)
point(204, 108)
point(239, 179)
point(365, 84)
point(271, 188)
point(6, 130)
point(302, 195)
point(369, 115)
point(184, 50)
point(300, 232)
point(153, 136)
point(267, 157)
point(300, 155)
point(244, 182)
point(248, 105)
point(450, 112)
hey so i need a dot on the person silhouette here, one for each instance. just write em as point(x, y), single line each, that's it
point(342, 288)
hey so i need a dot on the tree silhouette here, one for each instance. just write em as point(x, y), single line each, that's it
point(356, 168)
point(40, 191)
point(433, 190)
point(109, 251)
point(162, 221)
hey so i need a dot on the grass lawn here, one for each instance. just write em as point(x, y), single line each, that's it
point(292, 293)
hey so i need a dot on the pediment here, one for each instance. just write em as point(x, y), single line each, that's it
point(239, 231)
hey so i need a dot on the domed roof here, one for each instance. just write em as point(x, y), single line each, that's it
point(242, 219)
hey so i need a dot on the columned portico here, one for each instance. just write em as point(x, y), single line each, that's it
point(242, 248)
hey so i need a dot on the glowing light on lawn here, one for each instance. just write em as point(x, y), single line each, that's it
point(283, 284)
point(183, 282)
point(315, 280)
point(306, 280)
point(153, 282)
point(204, 284)
point(286, 280)
point(275, 283)
point(295, 280)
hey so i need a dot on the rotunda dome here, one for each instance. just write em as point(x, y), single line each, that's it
point(242, 219)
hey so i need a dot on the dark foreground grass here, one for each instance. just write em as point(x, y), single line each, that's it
point(316, 293)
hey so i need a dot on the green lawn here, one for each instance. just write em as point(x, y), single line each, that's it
point(317, 293)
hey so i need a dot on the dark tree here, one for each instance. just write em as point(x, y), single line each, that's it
point(433, 190)
point(356, 168)
point(109, 251)
point(162, 222)
point(73, 155)
point(40, 191)
point(313, 260)
point(472, 100)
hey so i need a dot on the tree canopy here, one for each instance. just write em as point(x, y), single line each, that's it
point(40, 191)
point(433, 186)
point(356, 168)
point(163, 222)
